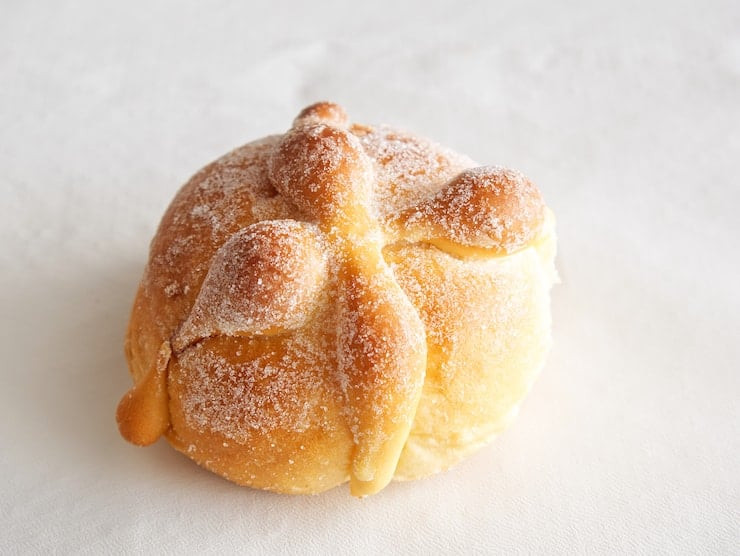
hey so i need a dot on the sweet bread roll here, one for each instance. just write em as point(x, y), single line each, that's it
point(339, 303)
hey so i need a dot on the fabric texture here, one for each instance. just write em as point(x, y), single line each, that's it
point(624, 114)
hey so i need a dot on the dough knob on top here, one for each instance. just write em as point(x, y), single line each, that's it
point(323, 171)
point(324, 112)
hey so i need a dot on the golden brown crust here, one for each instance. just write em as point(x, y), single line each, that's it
point(330, 295)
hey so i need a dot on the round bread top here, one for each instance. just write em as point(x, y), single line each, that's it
point(348, 183)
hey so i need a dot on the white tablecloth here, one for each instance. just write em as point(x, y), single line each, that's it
point(626, 115)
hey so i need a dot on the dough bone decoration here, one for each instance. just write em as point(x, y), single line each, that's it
point(341, 302)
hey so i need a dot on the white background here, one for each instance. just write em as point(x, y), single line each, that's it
point(627, 116)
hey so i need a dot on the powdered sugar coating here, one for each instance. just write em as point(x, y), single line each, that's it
point(408, 169)
point(253, 390)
